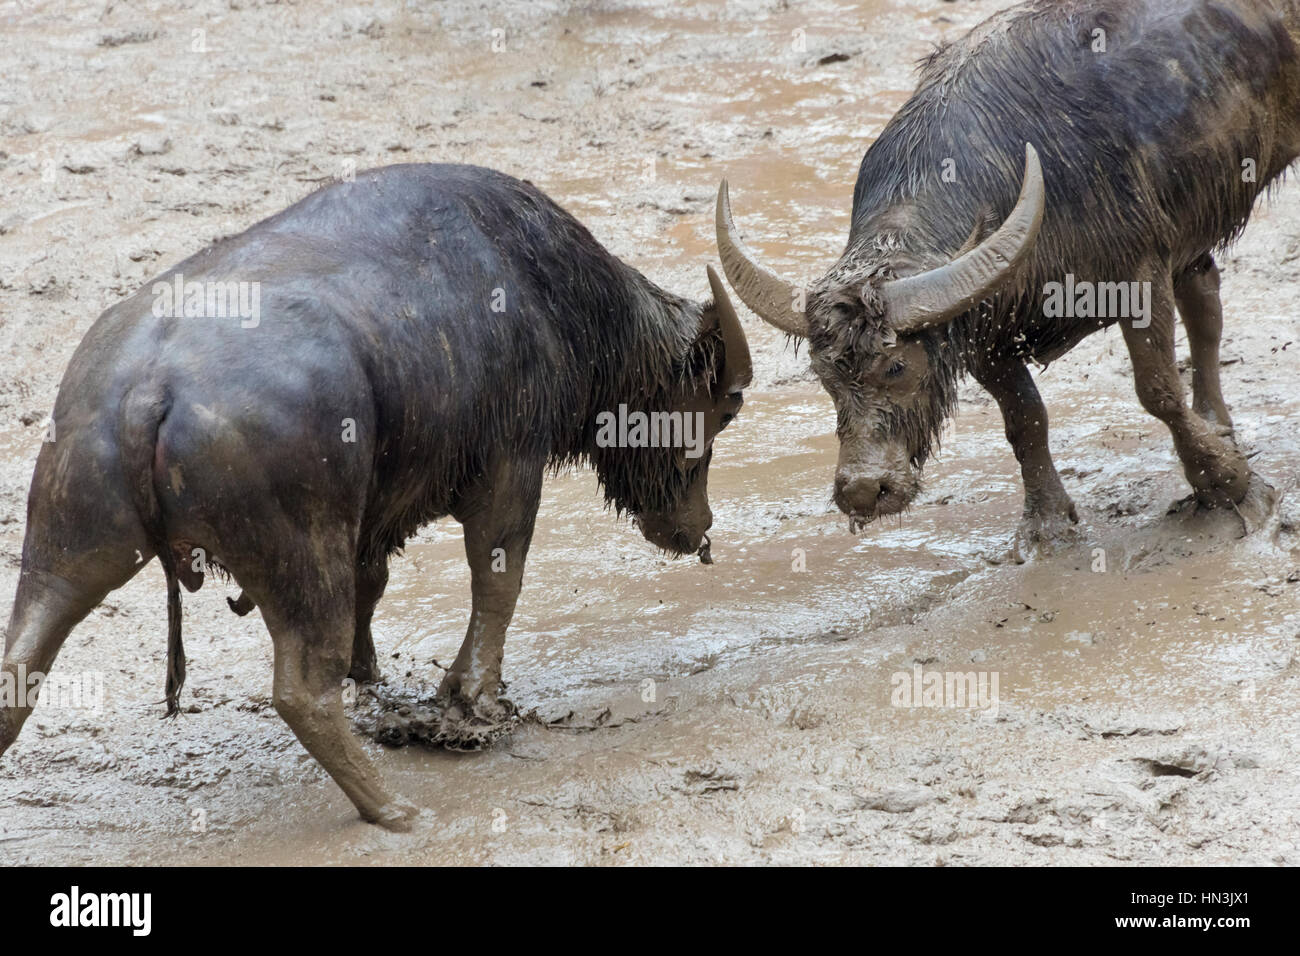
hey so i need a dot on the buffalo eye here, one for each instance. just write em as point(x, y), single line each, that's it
point(895, 370)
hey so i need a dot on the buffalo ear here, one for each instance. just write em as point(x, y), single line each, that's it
point(985, 224)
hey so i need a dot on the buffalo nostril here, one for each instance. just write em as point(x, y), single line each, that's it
point(860, 494)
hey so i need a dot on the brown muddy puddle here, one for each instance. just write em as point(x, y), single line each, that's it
point(600, 609)
point(600, 606)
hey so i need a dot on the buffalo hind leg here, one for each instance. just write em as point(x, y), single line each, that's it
point(1215, 468)
point(1049, 513)
point(82, 541)
point(498, 526)
point(46, 609)
point(312, 626)
point(1197, 293)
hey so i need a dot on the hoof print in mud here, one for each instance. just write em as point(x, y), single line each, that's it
point(456, 724)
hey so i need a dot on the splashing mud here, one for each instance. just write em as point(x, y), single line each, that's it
point(813, 696)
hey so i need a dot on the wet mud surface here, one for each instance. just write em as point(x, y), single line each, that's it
point(668, 711)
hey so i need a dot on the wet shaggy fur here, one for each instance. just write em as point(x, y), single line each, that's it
point(579, 332)
point(1141, 147)
point(456, 315)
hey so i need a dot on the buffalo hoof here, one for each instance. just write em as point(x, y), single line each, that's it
point(1041, 532)
point(1259, 504)
point(472, 725)
point(396, 816)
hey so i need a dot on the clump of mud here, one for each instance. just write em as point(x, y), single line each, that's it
point(398, 717)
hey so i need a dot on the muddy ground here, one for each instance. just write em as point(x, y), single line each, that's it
point(1147, 678)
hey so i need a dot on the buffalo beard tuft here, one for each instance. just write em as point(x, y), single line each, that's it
point(639, 481)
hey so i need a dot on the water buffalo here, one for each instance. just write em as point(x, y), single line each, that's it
point(1118, 143)
point(423, 341)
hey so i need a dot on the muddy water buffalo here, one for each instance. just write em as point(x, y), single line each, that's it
point(424, 341)
point(1152, 126)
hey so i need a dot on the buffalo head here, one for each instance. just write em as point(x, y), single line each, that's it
point(662, 476)
point(875, 327)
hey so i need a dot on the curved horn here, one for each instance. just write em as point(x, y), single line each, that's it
point(739, 369)
point(934, 297)
point(769, 296)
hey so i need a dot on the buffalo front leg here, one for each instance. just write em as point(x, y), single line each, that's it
point(1197, 293)
point(1215, 468)
point(371, 581)
point(1049, 513)
point(498, 528)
